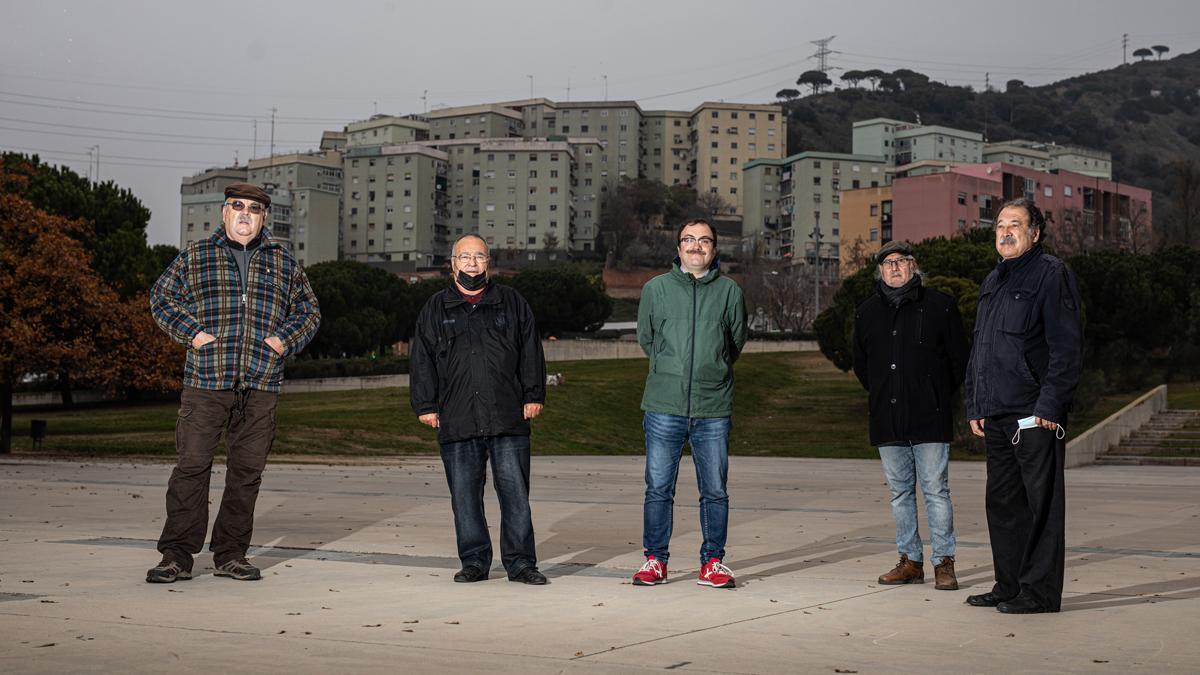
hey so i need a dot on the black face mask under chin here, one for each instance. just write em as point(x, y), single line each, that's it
point(472, 282)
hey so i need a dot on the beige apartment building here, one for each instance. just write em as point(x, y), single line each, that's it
point(394, 205)
point(666, 147)
point(726, 136)
point(866, 225)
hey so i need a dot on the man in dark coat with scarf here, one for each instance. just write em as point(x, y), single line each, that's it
point(910, 353)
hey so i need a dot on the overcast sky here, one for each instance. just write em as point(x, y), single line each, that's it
point(166, 89)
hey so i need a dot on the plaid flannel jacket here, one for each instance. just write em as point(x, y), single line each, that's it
point(200, 291)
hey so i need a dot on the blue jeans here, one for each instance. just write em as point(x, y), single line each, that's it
point(466, 473)
point(709, 439)
point(929, 463)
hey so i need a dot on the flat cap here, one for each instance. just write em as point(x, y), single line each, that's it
point(248, 191)
point(896, 246)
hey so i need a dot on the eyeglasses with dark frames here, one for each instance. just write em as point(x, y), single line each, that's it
point(253, 207)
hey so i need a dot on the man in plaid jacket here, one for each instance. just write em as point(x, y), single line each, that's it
point(241, 304)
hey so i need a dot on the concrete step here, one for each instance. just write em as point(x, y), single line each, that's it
point(1154, 450)
point(1148, 460)
point(1163, 442)
point(1163, 434)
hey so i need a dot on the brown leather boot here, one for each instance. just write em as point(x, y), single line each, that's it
point(943, 575)
point(905, 572)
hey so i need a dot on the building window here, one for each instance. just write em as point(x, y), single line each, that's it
point(962, 198)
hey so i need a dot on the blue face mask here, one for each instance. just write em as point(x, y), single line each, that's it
point(1031, 423)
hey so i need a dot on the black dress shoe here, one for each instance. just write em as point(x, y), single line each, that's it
point(989, 599)
point(1022, 604)
point(531, 576)
point(469, 574)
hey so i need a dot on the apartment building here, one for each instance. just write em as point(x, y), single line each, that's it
point(306, 196)
point(866, 225)
point(526, 199)
point(395, 206)
point(386, 130)
point(475, 122)
point(901, 143)
point(666, 147)
point(726, 136)
point(201, 197)
point(1082, 212)
point(793, 205)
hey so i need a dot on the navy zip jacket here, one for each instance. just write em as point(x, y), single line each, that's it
point(1028, 346)
point(476, 365)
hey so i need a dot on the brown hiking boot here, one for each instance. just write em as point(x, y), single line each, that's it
point(943, 575)
point(905, 572)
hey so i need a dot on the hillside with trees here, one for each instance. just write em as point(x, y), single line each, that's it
point(1146, 113)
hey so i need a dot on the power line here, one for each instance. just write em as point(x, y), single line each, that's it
point(131, 140)
point(723, 82)
point(194, 118)
point(142, 133)
point(5, 146)
point(215, 115)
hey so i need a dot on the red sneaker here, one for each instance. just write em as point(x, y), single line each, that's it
point(652, 573)
point(717, 575)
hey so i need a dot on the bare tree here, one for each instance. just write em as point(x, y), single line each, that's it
point(856, 255)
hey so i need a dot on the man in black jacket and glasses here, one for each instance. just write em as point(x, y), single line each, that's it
point(478, 375)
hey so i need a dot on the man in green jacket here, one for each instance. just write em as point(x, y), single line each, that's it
point(692, 325)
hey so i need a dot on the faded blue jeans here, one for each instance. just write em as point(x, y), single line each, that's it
point(709, 439)
point(929, 464)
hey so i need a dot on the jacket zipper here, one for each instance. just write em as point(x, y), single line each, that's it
point(692, 352)
point(242, 360)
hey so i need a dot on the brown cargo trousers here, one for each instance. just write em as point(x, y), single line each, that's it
point(249, 419)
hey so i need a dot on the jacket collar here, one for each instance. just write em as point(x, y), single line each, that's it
point(221, 239)
point(451, 297)
point(714, 271)
point(895, 297)
point(1017, 265)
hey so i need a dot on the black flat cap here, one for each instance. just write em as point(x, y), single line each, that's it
point(248, 191)
point(897, 246)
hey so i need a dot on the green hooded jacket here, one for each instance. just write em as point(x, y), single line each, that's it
point(692, 330)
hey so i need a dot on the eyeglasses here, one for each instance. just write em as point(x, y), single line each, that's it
point(896, 263)
point(704, 241)
point(254, 207)
point(464, 258)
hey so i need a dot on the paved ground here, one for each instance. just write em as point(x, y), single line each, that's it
point(358, 560)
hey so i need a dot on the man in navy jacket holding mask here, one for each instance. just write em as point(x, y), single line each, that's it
point(1021, 378)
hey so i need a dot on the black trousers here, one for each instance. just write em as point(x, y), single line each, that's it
point(249, 427)
point(1026, 510)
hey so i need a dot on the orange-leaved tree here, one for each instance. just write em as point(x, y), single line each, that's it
point(57, 315)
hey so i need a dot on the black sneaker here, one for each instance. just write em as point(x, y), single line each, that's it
point(167, 572)
point(470, 574)
point(239, 569)
point(531, 576)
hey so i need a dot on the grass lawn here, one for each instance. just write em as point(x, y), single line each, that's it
point(793, 404)
point(787, 404)
point(1183, 395)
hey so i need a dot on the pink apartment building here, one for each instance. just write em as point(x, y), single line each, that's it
point(1082, 212)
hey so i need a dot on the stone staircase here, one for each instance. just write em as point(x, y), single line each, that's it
point(1171, 437)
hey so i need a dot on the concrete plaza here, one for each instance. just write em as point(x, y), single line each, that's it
point(358, 559)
